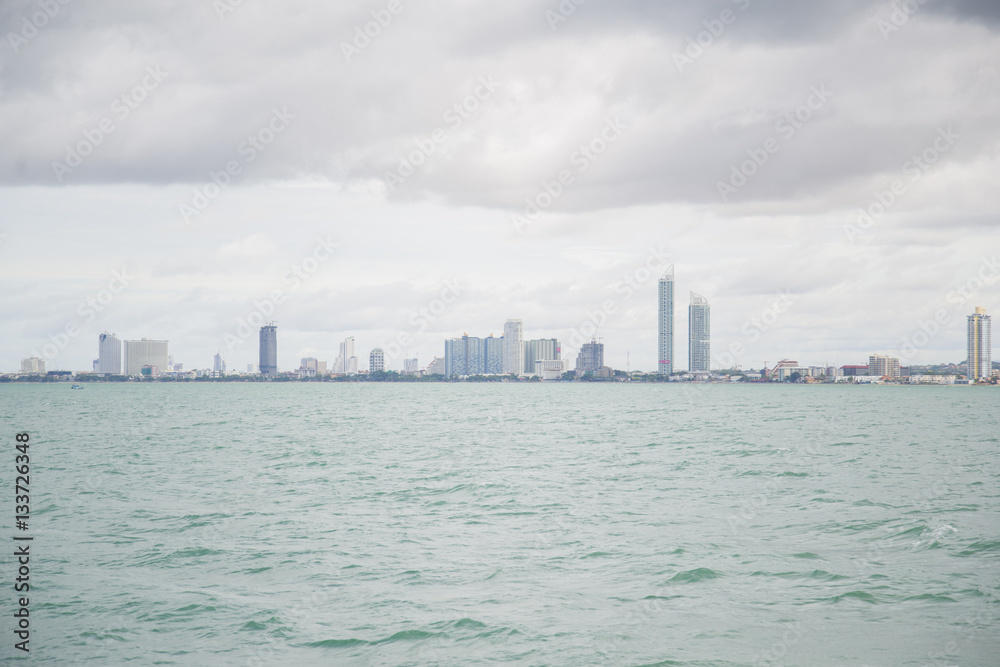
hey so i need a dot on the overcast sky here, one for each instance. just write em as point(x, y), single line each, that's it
point(738, 140)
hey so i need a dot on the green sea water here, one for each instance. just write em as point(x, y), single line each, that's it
point(496, 524)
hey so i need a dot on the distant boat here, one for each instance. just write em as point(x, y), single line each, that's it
point(76, 386)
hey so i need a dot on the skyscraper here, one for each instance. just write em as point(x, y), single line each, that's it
point(376, 360)
point(219, 365)
point(699, 334)
point(145, 352)
point(269, 349)
point(883, 366)
point(109, 354)
point(980, 345)
point(464, 356)
point(493, 355)
point(543, 349)
point(513, 355)
point(347, 362)
point(666, 330)
point(590, 358)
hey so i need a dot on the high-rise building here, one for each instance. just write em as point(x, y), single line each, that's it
point(33, 366)
point(543, 349)
point(109, 354)
point(882, 366)
point(513, 355)
point(436, 367)
point(980, 345)
point(463, 357)
point(493, 353)
point(346, 363)
point(376, 360)
point(590, 358)
point(268, 358)
point(665, 351)
point(699, 334)
point(219, 365)
point(411, 367)
point(145, 352)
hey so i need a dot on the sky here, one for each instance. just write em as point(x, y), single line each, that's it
point(403, 172)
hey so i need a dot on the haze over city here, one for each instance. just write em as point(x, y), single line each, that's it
point(542, 160)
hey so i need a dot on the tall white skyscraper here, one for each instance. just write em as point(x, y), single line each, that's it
point(699, 334)
point(980, 345)
point(665, 351)
point(109, 354)
point(513, 353)
point(219, 365)
point(145, 352)
point(346, 363)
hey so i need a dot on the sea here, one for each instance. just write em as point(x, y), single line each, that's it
point(505, 524)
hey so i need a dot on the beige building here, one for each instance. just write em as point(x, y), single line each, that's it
point(881, 366)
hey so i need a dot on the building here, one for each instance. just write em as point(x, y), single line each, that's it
point(513, 356)
point(549, 369)
point(543, 349)
point(786, 368)
point(852, 371)
point(109, 354)
point(308, 367)
point(268, 362)
point(411, 367)
point(145, 353)
point(33, 366)
point(980, 346)
point(699, 334)
point(219, 365)
point(436, 367)
point(251, 369)
point(347, 362)
point(590, 358)
point(493, 350)
point(665, 352)
point(376, 361)
point(464, 357)
point(880, 366)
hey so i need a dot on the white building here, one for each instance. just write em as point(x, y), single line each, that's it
point(411, 367)
point(346, 363)
point(550, 369)
point(932, 379)
point(699, 334)
point(436, 367)
point(219, 365)
point(145, 352)
point(513, 340)
point(33, 366)
point(109, 354)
